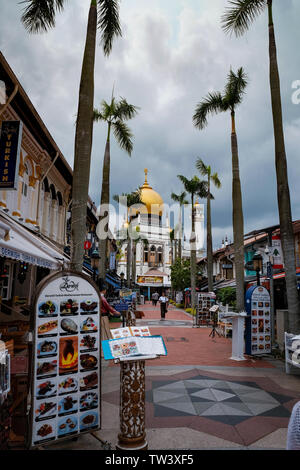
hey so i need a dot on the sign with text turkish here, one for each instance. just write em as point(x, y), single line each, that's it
point(10, 148)
point(66, 371)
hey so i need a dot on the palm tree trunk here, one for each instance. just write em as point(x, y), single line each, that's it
point(103, 241)
point(209, 242)
point(193, 258)
point(134, 261)
point(237, 221)
point(83, 143)
point(283, 193)
point(128, 266)
point(180, 234)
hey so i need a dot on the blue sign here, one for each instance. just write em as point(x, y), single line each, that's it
point(10, 147)
point(258, 321)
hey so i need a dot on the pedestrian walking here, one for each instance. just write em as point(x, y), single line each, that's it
point(164, 302)
point(155, 297)
point(106, 310)
point(293, 434)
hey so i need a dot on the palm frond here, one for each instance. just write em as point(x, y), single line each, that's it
point(97, 116)
point(106, 110)
point(215, 179)
point(125, 111)
point(213, 103)
point(240, 14)
point(201, 167)
point(39, 15)
point(123, 135)
point(202, 189)
point(235, 87)
point(108, 23)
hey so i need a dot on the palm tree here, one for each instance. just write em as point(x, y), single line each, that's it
point(205, 170)
point(114, 114)
point(39, 16)
point(181, 199)
point(129, 199)
point(194, 187)
point(214, 103)
point(238, 19)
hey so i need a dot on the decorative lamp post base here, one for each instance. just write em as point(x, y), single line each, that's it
point(132, 406)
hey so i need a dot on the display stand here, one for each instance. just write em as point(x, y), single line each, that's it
point(237, 353)
point(203, 314)
point(132, 434)
point(292, 348)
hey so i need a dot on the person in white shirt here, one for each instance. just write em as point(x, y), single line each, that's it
point(163, 306)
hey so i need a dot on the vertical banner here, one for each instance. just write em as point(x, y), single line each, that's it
point(258, 321)
point(10, 147)
point(277, 252)
point(66, 358)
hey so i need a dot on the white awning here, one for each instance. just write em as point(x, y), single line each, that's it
point(20, 244)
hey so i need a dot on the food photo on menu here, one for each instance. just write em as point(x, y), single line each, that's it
point(45, 431)
point(47, 348)
point(67, 425)
point(88, 361)
point(88, 306)
point(47, 309)
point(68, 405)
point(88, 401)
point(45, 409)
point(68, 326)
point(46, 388)
point(88, 420)
point(67, 385)
point(89, 381)
point(88, 343)
point(46, 368)
point(69, 307)
point(68, 355)
point(90, 324)
point(47, 328)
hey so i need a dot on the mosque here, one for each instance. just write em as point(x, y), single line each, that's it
point(153, 258)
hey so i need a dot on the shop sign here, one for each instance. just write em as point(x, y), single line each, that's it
point(66, 372)
point(10, 147)
point(226, 266)
point(150, 279)
point(258, 322)
point(276, 252)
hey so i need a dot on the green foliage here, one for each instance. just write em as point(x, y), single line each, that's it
point(192, 311)
point(180, 274)
point(179, 305)
point(227, 295)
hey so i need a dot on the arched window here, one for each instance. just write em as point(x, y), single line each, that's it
point(146, 255)
point(152, 256)
point(160, 255)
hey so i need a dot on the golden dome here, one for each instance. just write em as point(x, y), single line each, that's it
point(152, 200)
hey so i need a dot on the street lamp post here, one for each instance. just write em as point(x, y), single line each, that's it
point(257, 265)
point(95, 259)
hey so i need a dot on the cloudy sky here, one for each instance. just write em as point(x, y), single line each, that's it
point(172, 53)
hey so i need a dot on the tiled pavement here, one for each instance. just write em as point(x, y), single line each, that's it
point(197, 398)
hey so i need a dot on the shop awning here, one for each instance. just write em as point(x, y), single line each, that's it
point(20, 244)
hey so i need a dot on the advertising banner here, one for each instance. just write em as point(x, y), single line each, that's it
point(10, 147)
point(67, 359)
point(258, 324)
point(150, 280)
point(277, 252)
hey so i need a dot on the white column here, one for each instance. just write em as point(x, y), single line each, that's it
point(45, 215)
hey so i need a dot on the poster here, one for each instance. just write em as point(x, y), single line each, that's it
point(258, 324)
point(67, 359)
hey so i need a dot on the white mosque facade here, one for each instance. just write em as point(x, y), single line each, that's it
point(154, 258)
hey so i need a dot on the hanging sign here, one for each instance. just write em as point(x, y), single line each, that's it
point(277, 252)
point(10, 147)
point(87, 245)
point(66, 358)
point(258, 323)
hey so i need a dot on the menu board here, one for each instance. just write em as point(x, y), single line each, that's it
point(67, 359)
point(258, 325)
point(133, 346)
point(118, 333)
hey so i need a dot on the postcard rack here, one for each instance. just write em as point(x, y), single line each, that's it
point(203, 315)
